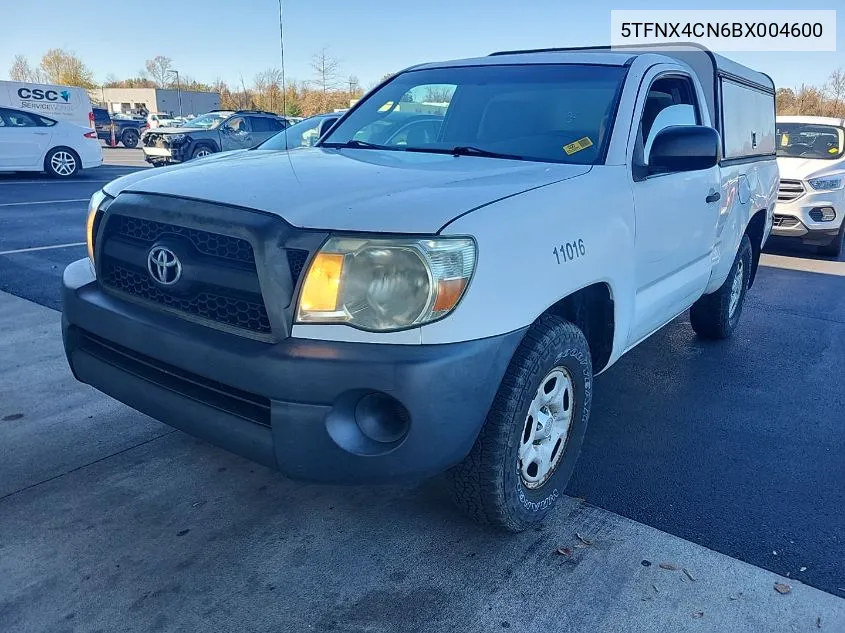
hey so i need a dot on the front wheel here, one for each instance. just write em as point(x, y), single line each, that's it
point(527, 449)
point(835, 248)
point(201, 150)
point(715, 316)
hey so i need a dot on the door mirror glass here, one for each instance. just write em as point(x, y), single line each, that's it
point(684, 148)
point(678, 114)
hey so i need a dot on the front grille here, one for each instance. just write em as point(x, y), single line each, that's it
point(214, 244)
point(212, 256)
point(789, 190)
point(243, 404)
point(785, 221)
point(296, 260)
point(217, 306)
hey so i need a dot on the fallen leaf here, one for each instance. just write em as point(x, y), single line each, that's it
point(803, 569)
point(656, 590)
point(689, 575)
point(698, 614)
point(12, 417)
point(645, 563)
point(819, 622)
point(669, 566)
point(774, 552)
point(782, 588)
point(736, 596)
point(582, 539)
point(564, 551)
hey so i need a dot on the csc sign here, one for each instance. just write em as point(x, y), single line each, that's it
point(37, 94)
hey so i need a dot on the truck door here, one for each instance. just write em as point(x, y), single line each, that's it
point(676, 213)
point(263, 128)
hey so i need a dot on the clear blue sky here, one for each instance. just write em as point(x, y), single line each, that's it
point(209, 38)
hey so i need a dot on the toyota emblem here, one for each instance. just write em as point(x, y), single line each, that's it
point(163, 265)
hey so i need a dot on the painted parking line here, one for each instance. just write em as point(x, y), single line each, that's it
point(806, 265)
point(53, 182)
point(41, 248)
point(23, 204)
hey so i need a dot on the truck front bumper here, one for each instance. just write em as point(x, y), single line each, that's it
point(316, 410)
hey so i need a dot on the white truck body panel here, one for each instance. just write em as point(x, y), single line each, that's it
point(656, 243)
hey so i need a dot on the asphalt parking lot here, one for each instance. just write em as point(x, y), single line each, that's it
point(728, 455)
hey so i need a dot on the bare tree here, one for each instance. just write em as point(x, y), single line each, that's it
point(326, 70)
point(20, 70)
point(64, 67)
point(438, 94)
point(268, 89)
point(158, 68)
point(808, 100)
point(835, 90)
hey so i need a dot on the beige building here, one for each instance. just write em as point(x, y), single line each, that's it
point(130, 100)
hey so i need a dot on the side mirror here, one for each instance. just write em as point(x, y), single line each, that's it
point(325, 125)
point(684, 148)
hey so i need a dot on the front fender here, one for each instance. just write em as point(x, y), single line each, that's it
point(518, 274)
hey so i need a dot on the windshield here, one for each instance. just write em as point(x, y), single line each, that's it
point(808, 140)
point(550, 113)
point(302, 134)
point(210, 120)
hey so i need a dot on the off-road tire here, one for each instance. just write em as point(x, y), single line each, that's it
point(487, 484)
point(710, 316)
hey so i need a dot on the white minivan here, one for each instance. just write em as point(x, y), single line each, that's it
point(61, 103)
point(811, 195)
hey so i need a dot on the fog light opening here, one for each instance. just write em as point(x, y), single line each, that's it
point(823, 214)
point(382, 418)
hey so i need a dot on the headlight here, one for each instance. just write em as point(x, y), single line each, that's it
point(826, 183)
point(385, 284)
point(94, 215)
point(175, 139)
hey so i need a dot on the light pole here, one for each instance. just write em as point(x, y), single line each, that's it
point(178, 90)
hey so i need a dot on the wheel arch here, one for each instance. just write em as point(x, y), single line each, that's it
point(592, 310)
point(755, 230)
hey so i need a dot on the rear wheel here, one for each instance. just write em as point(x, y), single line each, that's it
point(129, 139)
point(716, 315)
point(62, 162)
point(527, 449)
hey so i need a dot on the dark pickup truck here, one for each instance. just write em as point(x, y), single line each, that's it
point(126, 131)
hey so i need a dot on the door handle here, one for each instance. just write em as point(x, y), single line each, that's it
point(713, 197)
point(40, 133)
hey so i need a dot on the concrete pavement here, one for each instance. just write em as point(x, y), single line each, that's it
point(110, 521)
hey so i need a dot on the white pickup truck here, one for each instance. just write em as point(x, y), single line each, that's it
point(434, 285)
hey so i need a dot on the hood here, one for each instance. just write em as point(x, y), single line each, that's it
point(178, 130)
point(350, 189)
point(804, 168)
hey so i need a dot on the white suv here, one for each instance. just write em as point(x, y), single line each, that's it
point(811, 196)
point(434, 285)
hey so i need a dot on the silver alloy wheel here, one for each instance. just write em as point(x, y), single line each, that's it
point(202, 152)
point(736, 288)
point(63, 163)
point(546, 428)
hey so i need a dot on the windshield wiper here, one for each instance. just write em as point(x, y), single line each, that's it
point(355, 143)
point(465, 150)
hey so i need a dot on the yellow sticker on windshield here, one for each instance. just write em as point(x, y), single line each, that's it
point(577, 146)
point(833, 150)
point(784, 140)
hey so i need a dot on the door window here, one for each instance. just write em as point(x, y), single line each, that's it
point(261, 124)
point(15, 118)
point(670, 101)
